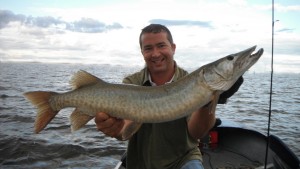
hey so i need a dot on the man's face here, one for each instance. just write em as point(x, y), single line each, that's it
point(158, 52)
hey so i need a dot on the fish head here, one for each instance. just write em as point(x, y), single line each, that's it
point(223, 73)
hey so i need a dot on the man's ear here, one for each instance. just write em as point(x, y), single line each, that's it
point(173, 47)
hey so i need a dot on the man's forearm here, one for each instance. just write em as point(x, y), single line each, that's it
point(201, 122)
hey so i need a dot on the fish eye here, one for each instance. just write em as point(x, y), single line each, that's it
point(230, 57)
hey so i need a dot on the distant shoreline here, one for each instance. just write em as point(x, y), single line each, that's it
point(130, 66)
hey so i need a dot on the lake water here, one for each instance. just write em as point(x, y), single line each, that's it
point(57, 147)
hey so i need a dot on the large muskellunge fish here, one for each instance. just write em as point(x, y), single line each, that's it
point(138, 103)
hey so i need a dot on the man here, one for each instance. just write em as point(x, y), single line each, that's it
point(171, 144)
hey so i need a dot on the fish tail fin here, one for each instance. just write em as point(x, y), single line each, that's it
point(45, 113)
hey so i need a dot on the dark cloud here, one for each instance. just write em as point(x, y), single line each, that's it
point(7, 16)
point(43, 22)
point(285, 30)
point(182, 23)
point(86, 25)
point(115, 26)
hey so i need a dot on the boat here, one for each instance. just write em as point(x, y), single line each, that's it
point(238, 147)
point(230, 146)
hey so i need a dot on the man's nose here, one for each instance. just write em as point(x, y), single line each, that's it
point(155, 52)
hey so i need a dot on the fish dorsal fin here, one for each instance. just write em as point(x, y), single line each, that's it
point(83, 78)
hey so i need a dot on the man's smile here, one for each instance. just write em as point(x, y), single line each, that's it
point(158, 60)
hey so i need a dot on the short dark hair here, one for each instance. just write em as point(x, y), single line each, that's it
point(156, 28)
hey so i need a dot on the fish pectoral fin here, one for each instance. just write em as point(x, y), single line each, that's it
point(130, 130)
point(214, 102)
point(83, 78)
point(78, 119)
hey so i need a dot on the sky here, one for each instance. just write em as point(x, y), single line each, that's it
point(107, 31)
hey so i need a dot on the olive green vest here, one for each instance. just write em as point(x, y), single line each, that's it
point(160, 145)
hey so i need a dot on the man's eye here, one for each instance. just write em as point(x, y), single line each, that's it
point(147, 49)
point(161, 45)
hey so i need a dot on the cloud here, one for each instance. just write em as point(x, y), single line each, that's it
point(43, 22)
point(86, 25)
point(286, 8)
point(8, 16)
point(285, 30)
point(202, 32)
point(182, 23)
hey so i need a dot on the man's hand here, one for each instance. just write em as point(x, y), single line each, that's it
point(110, 126)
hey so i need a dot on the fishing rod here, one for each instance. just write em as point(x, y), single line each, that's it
point(271, 88)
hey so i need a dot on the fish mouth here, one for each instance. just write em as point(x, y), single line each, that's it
point(255, 56)
point(248, 58)
point(258, 53)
